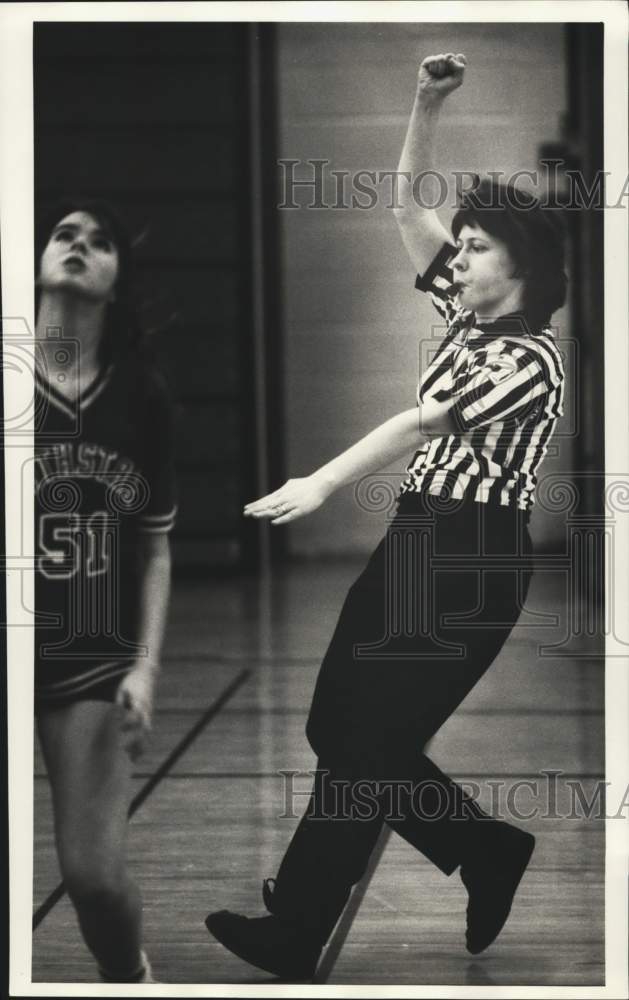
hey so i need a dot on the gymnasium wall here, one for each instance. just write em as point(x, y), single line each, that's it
point(351, 316)
point(154, 117)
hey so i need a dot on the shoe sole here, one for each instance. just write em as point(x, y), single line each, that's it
point(223, 936)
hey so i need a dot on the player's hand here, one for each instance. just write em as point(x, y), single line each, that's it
point(440, 75)
point(294, 499)
point(135, 697)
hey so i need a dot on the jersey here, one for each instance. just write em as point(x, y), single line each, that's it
point(103, 477)
point(506, 384)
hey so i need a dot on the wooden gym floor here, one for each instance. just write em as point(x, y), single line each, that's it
point(240, 664)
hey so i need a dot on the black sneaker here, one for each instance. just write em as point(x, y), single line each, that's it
point(491, 879)
point(267, 943)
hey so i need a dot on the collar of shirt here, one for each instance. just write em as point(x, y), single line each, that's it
point(466, 327)
point(516, 324)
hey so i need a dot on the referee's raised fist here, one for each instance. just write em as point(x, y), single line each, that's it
point(440, 75)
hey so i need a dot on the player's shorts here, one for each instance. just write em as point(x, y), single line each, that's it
point(58, 685)
point(84, 648)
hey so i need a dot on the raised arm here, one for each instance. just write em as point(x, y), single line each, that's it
point(421, 230)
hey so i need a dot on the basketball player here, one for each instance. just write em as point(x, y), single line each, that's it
point(104, 506)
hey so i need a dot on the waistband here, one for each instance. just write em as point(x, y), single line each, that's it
point(422, 502)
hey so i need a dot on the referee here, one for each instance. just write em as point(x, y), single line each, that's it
point(442, 591)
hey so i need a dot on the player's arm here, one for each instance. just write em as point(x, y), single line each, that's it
point(397, 437)
point(422, 232)
point(135, 693)
point(154, 575)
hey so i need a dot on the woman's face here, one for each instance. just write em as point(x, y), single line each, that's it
point(80, 257)
point(483, 269)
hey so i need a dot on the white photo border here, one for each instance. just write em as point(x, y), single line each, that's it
point(16, 230)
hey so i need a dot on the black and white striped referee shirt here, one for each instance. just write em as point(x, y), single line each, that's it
point(506, 382)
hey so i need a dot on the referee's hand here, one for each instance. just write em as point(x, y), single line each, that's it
point(440, 75)
point(294, 499)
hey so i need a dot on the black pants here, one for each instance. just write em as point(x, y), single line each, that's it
point(418, 629)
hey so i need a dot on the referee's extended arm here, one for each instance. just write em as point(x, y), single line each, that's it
point(399, 436)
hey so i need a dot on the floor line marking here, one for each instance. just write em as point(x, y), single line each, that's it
point(344, 925)
point(44, 909)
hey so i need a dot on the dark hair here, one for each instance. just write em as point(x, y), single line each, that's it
point(124, 336)
point(533, 235)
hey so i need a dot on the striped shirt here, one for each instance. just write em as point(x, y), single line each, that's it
point(506, 384)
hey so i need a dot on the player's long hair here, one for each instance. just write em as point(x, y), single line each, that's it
point(124, 337)
point(534, 237)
